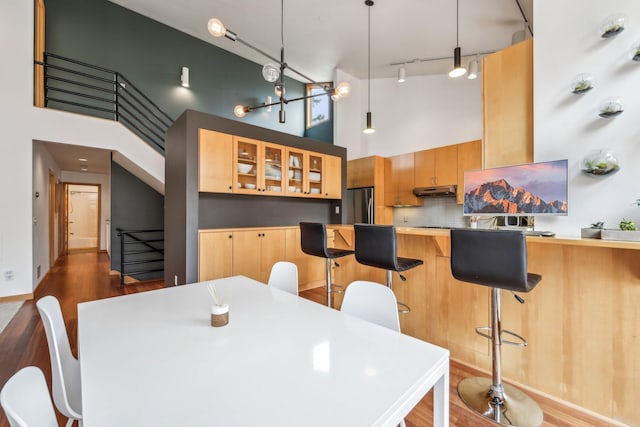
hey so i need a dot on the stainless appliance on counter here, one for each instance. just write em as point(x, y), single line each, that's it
point(359, 205)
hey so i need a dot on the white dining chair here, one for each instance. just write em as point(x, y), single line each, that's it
point(65, 369)
point(372, 302)
point(26, 401)
point(284, 276)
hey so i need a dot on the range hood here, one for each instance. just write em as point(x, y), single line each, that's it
point(443, 190)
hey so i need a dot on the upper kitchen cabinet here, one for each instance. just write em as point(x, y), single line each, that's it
point(258, 167)
point(436, 167)
point(469, 158)
point(332, 177)
point(361, 172)
point(507, 105)
point(215, 173)
point(314, 175)
point(400, 181)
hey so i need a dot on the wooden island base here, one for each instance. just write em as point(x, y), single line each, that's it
point(582, 322)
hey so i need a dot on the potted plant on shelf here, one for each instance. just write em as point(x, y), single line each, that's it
point(593, 232)
point(628, 231)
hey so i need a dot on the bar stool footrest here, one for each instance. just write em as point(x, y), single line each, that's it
point(337, 289)
point(403, 308)
point(523, 342)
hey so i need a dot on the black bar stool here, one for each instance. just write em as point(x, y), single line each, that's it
point(377, 246)
point(497, 259)
point(313, 238)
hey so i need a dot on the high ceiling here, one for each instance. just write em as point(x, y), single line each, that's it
point(320, 36)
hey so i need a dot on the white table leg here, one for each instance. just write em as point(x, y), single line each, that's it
point(441, 400)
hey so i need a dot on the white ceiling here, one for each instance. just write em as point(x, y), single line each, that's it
point(320, 36)
point(67, 157)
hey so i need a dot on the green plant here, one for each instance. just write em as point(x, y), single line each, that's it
point(598, 225)
point(582, 86)
point(627, 225)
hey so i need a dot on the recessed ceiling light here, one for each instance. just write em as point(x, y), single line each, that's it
point(82, 159)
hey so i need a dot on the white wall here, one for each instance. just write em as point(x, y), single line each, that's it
point(421, 113)
point(21, 125)
point(105, 198)
point(43, 162)
point(567, 126)
point(16, 33)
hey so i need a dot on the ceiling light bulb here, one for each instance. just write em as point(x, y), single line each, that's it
point(343, 89)
point(270, 72)
point(280, 90)
point(215, 27)
point(239, 110)
point(402, 74)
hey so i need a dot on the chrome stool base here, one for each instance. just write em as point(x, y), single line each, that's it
point(514, 409)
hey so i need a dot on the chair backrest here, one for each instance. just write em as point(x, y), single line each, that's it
point(372, 302)
point(376, 245)
point(26, 401)
point(284, 276)
point(313, 239)
point(494, 258)
point(65, 369)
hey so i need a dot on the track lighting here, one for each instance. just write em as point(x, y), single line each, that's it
point(474, 66)
point(402, 74)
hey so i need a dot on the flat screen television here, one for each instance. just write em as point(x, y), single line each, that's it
point(530, 189)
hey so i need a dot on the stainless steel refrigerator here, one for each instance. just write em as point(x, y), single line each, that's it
point(359, 205)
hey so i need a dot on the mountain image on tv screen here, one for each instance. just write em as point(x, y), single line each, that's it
point(529, 189)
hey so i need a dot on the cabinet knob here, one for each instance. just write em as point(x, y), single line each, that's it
point(230, 187)
point(230, 236)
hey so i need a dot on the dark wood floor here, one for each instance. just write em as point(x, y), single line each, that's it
point(84, 277)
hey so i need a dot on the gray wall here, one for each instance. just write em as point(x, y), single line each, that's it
point(187, 210)
point(151, 54)
point(134, 205)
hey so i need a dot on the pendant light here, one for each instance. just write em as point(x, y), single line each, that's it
point(458, 70)
point(369, 128)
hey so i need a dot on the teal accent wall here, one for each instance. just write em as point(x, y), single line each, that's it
point(151, 54)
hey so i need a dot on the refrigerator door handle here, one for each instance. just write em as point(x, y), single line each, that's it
point(370, 209)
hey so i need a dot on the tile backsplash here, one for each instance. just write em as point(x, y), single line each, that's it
point(436, 212)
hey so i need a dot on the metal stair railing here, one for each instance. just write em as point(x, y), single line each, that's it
point(77, 86)
point(141, 252)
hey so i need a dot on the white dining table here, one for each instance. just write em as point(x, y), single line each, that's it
point(153, 359)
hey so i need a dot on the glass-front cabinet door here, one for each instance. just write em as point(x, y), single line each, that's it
point(295, 172)
point(315, 175)
point(246, 174)
point(272, 169)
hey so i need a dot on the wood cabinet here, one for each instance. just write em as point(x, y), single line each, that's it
point(400, 181)
point(215, 172)
point(234, 164)
point(313, 175)
point(469, 158)
point(251, 253)
point(311, 269)
point(438, 166)
point(361, 172)
point(255, 252)
point(507, 105)
point(257, 167)
point(215, 255)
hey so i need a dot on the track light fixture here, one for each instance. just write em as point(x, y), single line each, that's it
point(458, 70)
point(402, 74)
point(273, 72)
point(474, 68)
point(184, 77)
point(369, 128)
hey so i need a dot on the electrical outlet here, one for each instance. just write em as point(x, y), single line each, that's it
point(8, 275)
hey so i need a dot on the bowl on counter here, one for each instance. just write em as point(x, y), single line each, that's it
point(250, 186)
point(244, 167)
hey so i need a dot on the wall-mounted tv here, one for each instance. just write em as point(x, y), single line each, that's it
point(530, 189)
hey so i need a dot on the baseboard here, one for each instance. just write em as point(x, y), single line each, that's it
point(547, 401)
point(22, 297)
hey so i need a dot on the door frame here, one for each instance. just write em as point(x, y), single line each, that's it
point(52, 214)
point(66, 213)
